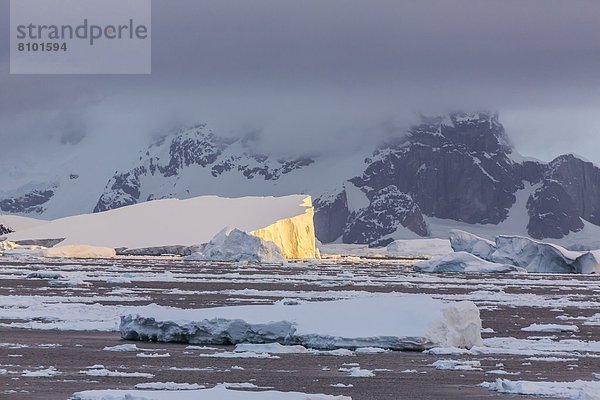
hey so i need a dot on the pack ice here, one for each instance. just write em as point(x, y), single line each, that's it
point(510, 253)
point(286, 221)
point(397, 322)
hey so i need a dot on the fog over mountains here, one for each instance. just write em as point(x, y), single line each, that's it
point(452, 171)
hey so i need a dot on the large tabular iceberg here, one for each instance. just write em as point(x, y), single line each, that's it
point(286, 221)
point(397, 322)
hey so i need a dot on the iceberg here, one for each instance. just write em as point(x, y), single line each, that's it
point(81, 251)
point(525, 253)
point(542, 257)
point(465, 241)
point(286, 221)
point(235, 245)
point(419, 248)
point(463, 262)
point(410, 322)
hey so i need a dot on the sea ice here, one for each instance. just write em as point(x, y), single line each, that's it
point(220, 392)
point(411, 322)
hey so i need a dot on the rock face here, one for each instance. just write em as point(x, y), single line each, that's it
point(461, 167)
point(389, 209)
point(552, 212)
point(5, 229)
point(30, 202)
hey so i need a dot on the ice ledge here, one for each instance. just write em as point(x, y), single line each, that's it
point(407, 322)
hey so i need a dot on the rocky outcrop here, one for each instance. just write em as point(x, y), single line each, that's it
point(31, 202)
point(552, 212)
point(389, 210)
point(462, 167)
point(191, 151)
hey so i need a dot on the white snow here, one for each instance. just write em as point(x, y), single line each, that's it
point(153, 355)
point(419, 248)
point(463, 262)
point(577, 390)
point(271, 348)
point(79, 251)
point(467, 242)
point(550, 328)
point(235, 245)
point(410, 322)
point(220, 392)
point(357, 372)
point(234, 354)
point(285, 220)
point(115, 373)
point(169, 386)
point(355, 197)
point(122, 348)
point(458, 365)
point(50, 371)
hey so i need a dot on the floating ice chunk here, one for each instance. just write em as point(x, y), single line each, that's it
point(271, 348)
point(419, 248)
point(550, 328)
point(459, 365)
point(79, 251)
point(122, 348)
point(542, 257)
point(45, 275)
point(220, 392)
point(467, 242)
point(51, 371)
point(233, 354)
point(463, 262)
point(169, 386)
point(153, 355)
point(115, 373)
point(370, 350)
point(357, 372)
point(580, 390)
point(235, 245)
point(412, 322)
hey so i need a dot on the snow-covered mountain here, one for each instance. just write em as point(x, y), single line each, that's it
point(454, 171)
point(461, 171)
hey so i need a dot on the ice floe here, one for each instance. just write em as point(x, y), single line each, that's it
point(220, 392)
point(577, 390)
point(411, 322)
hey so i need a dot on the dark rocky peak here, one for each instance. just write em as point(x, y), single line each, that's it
point(193, 146)
point(475, 132)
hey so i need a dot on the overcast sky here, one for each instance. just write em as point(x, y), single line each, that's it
point(314, 74)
